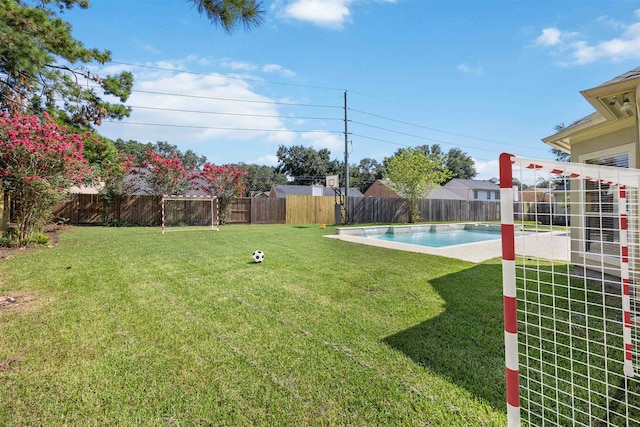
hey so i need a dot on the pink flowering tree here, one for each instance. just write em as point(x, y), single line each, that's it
point(226, 182)
point(39, 160)
point(165, 174)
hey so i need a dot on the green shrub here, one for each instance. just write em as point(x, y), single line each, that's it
point(38, 239)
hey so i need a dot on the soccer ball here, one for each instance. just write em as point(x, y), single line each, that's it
point(258, 256)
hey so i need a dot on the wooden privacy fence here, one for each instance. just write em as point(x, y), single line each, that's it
point(311, 210)
point(146, 210)
point(93, 209)
point(434, 210)
point(364, 210)
point(387, 210)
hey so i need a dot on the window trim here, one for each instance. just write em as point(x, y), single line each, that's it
point(630, 151)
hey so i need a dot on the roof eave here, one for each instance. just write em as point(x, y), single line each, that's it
point(608, 98)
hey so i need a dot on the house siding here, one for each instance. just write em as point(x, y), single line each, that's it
point(605, 132)
point(619, 138)
point(474, 190)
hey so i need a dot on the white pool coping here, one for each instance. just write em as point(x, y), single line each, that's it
point(547, 245)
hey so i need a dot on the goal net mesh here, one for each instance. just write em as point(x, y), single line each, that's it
point(189, 211)
point(570, 260)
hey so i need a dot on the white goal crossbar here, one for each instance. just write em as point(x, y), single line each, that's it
point(570, 253)
point(183, 216)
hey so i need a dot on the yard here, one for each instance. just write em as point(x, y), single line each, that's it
point(127, 326)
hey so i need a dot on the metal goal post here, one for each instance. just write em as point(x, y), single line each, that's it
point(570, 248)
point(188, 210)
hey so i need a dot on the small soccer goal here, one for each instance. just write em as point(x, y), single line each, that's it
point(570, 246)
point(184, 212)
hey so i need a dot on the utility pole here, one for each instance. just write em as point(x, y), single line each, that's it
point(346, 160)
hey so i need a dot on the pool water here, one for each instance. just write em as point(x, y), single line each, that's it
point(439, 239)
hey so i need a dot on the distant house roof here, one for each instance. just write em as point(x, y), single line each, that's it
point(282, 191)
point(443, 193)
point(258, 194)
point(86, 189)
point(379, 189)
point(139, 185)
point(536, 195)
point(472, 184)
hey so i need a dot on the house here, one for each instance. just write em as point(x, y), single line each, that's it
point(474, 190)
point(608, 136)
point(87, 188)
point(259, 194)
point(282, 191)
point(137, 184)
point(379, 189)
point(536, 195)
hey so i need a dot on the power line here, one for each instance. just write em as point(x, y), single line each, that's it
point(430, 139)
point(407, 145)
point(429, 128)
point(379, 140)
point(252, 101)
point(307, 105)
point(221, 128)
point(226, 76)
point(292, 104)
point(475, 158)
point(235, 114)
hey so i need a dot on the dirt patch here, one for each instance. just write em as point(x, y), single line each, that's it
point(51, 231)
point(9, 364)
point(14, 300)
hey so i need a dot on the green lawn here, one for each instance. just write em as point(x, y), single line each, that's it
point(132, 327)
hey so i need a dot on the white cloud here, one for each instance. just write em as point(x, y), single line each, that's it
point(270, 160)
point(577, 50)
point(275, 68)
point(470, 70)
point(549, 37)
point(487, 170)
point(324, 13)
point(322, 139)
point(332, 14)
point(212, 109)
point(223, 116)
point(237, 65)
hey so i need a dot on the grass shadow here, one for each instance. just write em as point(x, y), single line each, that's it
point(466, 342)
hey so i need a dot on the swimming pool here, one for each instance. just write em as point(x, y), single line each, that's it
point(554, 243)
point(431, 235)
point(441, 238)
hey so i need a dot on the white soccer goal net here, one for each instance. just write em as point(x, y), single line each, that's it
point(195, 212)
point(570, 270)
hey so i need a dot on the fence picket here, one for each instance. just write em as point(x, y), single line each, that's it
point(145, 210)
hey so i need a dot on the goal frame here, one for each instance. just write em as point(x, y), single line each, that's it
point(618, 335)
point(213, 202)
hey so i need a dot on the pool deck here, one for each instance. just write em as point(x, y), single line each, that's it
point(547, 245)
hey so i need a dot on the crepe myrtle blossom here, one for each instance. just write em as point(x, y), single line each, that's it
point(39, 160)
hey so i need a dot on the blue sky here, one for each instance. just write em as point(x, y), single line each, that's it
point(483, 76)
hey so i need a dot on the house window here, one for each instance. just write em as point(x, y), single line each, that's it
point(488, 195)
point(601, 210)
point(475, 194)
point(497, 195)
